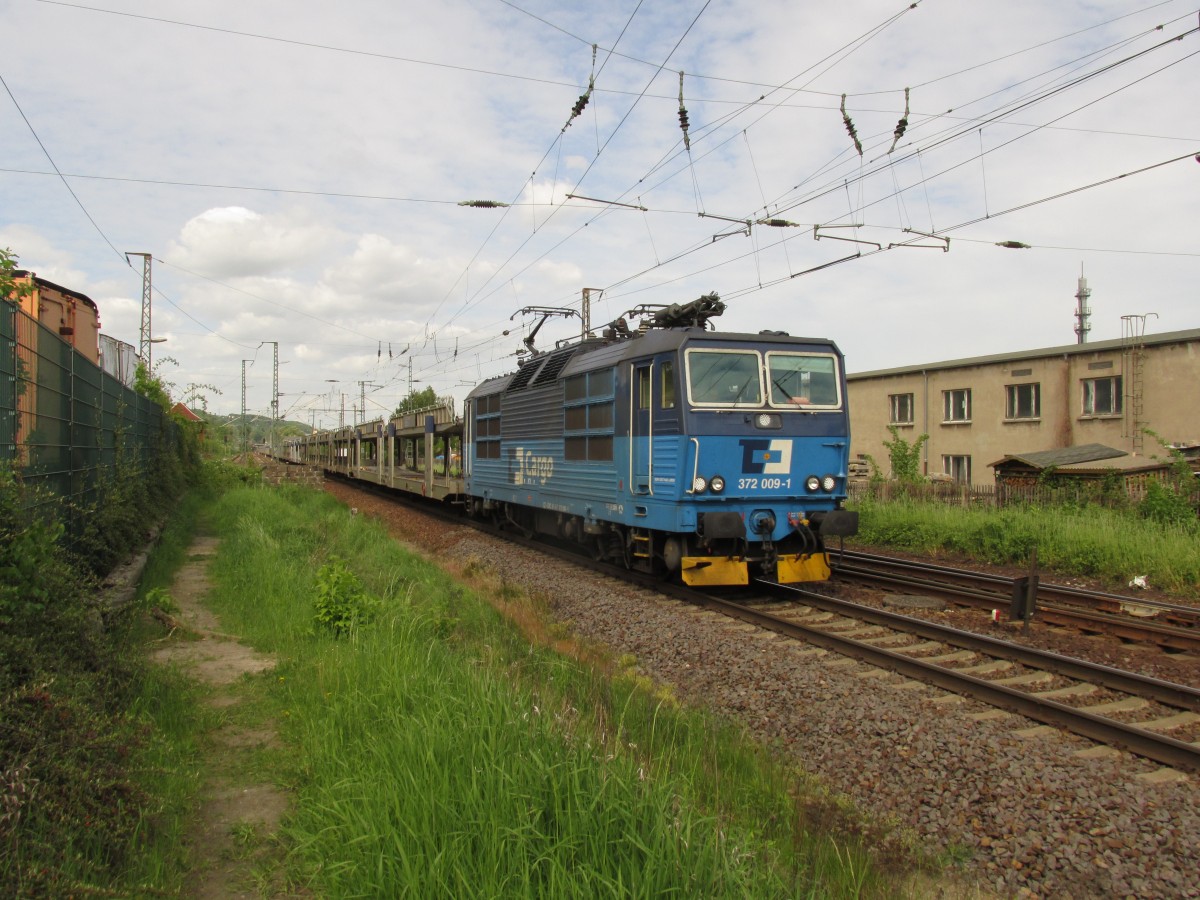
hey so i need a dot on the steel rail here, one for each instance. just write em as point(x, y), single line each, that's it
point(1160, 748)
point(1085, 596)
point(1071, 614)
point(1166, 692)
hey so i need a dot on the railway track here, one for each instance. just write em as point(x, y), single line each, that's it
point(1034, 683)
point(1168, 625)
point(1028, 681)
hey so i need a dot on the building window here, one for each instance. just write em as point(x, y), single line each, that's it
point(956, 405)
point(902, 408)
point(1102, 396)
point(958, 468)
point(1024, 401)
point(588, 416)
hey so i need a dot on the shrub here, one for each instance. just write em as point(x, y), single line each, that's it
point(342, 603)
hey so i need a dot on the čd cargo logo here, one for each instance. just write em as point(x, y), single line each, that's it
point(762, 457)
point(530, 469)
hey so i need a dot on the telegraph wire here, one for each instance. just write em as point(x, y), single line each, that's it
point(474, 299)
point(844, 51)
point(61, 177)
point(993, 119)
point(311, 45)
point(1061, 38)
point(238, 187)
point(895, 245)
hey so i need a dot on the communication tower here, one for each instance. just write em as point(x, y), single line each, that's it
point(1083, 312)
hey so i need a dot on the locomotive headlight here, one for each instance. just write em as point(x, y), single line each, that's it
point(764, 420)
point(828, 483)
point(717, 484)
point(699, 485)
point(812, 483)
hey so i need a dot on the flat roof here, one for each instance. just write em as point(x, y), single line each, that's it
point(1149, 340)
point(66, 291)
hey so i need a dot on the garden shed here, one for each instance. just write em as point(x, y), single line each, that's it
point(1086, 464)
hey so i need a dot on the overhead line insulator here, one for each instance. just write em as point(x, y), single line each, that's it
point(582, 102)
point(683, 116)
point(850, 128)
point(902, 125)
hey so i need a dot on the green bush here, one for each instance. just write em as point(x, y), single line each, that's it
point(341, 602)
point(1167, 505)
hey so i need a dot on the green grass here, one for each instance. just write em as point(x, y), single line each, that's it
point(434, 750)
point(98, 758)
point(1090, 541)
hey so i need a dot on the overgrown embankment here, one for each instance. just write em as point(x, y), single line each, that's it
point(434, 751)
point(1112, 546)
point(83, 764)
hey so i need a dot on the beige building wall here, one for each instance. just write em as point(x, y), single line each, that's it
point(978, 410)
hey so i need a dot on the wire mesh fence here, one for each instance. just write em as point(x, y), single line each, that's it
point(64, 422)
point(1069, 492)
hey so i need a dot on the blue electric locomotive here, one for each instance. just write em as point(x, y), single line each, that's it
point(671, 448)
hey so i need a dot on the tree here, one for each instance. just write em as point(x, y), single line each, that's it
point(421, 399)
point(9, 289)
point(151, 387)
point(905, 457)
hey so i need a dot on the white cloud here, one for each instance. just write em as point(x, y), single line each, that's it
point(234, 242)
point(290, 125)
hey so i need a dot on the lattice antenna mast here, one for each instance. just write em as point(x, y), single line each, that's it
point(245, 424)
point(144, 338)
point(1083, 312)
point(274, 392)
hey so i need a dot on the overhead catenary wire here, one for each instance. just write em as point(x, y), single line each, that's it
point(61, 176)
point(651, 210)
point(843, 51)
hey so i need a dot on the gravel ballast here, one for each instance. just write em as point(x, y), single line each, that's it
point(1036, 812)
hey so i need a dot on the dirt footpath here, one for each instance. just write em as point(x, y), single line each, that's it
point(235, 817)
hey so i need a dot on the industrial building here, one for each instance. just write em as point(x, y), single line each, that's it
point(981, 410)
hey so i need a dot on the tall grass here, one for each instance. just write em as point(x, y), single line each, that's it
point(98, 758)
point(437, 752)
point(1089, 541)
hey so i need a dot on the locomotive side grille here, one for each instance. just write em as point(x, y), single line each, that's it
point(552, 367)
point(524, 375)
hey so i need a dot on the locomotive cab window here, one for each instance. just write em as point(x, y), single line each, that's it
point(803, 379)
point(667, 394)
point(724, 378)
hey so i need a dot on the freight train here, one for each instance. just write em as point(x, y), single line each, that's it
point(707, 456)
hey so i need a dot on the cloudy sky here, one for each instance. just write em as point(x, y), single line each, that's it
point(297, 171)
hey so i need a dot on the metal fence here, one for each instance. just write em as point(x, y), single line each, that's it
point(64, 422)
point(996, 495)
